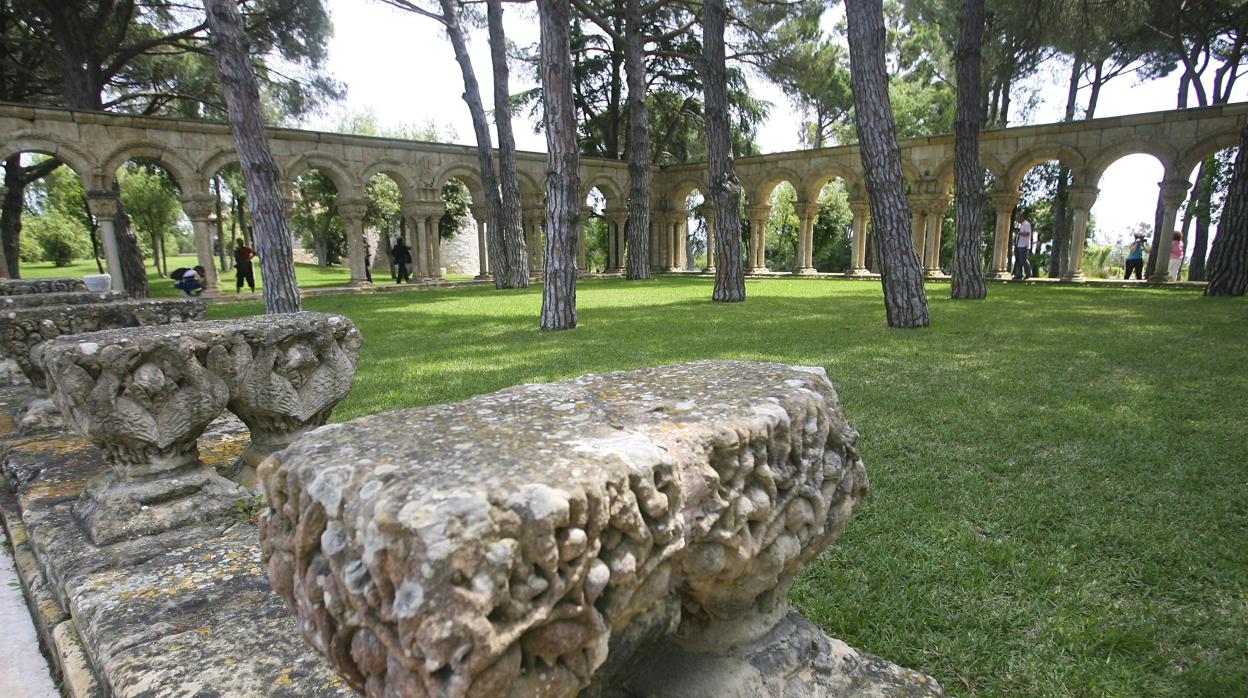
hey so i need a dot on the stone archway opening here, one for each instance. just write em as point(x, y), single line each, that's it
point(318, 230)
point(938, 262)
point(697, 241)
point(1202, 212)
point(152, 199)
point(383, 223)
point(1125, 205)
point(1043, 198)
point(44, 218)
point(833, 230)
point(592, 248)
point(782, 231)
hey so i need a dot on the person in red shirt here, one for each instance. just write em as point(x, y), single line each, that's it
point(243, 268)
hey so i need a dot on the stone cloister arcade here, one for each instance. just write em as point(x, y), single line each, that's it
point(96, 144)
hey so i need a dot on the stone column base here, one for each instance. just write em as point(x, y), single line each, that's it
point(795, 659)
point(710, 269)
point(483, 277)
point(1075, 278)
point(1162, 278)
point(934, 274)
point(806, 271)
point(112, 510)
point(859, 271)
point(1000, 275)
point(760, 270)
point(359, 283)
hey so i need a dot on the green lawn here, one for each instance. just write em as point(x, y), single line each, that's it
point(1058, 502)
point(308, 275)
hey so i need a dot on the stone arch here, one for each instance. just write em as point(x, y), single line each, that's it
point(27, 142)
point(909, 172)
point(464, 173)
point(1193, 155)
point(947, 171)
point(394, 170)
point(605, 186)
point(334, 168)
point(826, 172)
point(183, 172)
point(761, 186)
point(220, 159)
point(1108, 155)
point(531, 189)
point(683, 188)
point(1028, 158)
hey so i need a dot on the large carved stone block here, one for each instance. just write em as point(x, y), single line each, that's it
point(35, 300)
point(144, 395)
point(21, 329)
point(534, 541)
point(19, 287)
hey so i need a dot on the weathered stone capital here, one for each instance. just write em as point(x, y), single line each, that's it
point(860, 208)
point(757, 212)
point(198, 207)
point(806, 209)
point(352, 209)
point(1174, 192)
point(1003, 201)
point(23, 329)
point(1082, 198)
point(102, 205)
point(509, 555)
point(617, 216)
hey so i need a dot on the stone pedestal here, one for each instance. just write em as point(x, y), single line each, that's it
point(553, 538)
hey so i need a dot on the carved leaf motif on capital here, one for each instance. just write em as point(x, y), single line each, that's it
point(198, 209)
point(103, 207)
point(352, 209)
point(1082, 198)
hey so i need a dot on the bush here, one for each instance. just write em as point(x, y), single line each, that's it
point(60, 239)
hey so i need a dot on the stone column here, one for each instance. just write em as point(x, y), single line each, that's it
point(757, 216)
point(1003, 204)
point(411, 219)
point(582, 266)
point(1081, 200)
point(680, 223)
point(433, 241)
point(4, 265)
point(709, 216)
point(936, 208)
point(616, 219)
point(1173, 193)
point(104, 207)
point(659, 247)
point(918, 224)
point(483, 252)
point(381, 255)
point(352, 213)
point(861, 209)
point(198, 208)
point(807, 212)
point(534, 216)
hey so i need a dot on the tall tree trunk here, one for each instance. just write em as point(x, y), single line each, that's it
point(725, 188)
point(517, 266)
point(904, 297)
point(968, 272)
point(220, 222)
point(563, 173)
point(242, 100)
point(155, 253)
point(133, 271)
point(485, 151)
point(1228, 261)
point(637, 264)
point(1061, 212)
point(1159, 218)
point(1204, 213)
point(11, 216)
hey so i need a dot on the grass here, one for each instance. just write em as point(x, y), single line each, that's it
point(308, 275)
point(1059, 503)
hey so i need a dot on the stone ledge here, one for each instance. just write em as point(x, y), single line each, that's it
point(186, 613)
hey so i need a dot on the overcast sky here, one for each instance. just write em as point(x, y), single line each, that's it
point(401, 67)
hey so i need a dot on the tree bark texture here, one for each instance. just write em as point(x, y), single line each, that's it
point(905, 300)
point(11, 217)
point(637, 264)
point(725, 188)
point(563, 176)
point(968, 271)
point(510, 217)
point(1159, 218)
point(133, 273)
point(485, 149)
point(1228, 260)
point(268, 208)
point(1201, 203)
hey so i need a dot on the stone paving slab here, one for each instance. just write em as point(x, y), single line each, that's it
point(186, 613)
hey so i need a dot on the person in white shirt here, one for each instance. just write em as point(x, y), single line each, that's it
point(1022, 245)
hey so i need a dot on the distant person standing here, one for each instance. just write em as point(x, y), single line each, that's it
point(1022, 247)
point(400, 256)
point(1135, 257)
point(1176, 255)
point(243, 269)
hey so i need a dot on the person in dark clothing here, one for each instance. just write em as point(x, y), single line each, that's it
point(243, 269)
point(401, 257)
point(189, 281)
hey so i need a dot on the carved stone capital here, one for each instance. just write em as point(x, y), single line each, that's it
point(548, 525)
point(102, 205)
point(143, 396)
point(352, 209)
point(1174, 192)
point(860, 208)
point(1082, 198)
point(1003, 202)
point(198, 207)
point(806, 209)
point(754, 213)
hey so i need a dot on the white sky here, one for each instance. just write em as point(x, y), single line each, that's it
point(401, 67)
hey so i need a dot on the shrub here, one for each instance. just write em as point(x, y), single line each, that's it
point(60, 239)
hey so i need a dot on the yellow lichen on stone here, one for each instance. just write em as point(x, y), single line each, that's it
point(283, 679)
